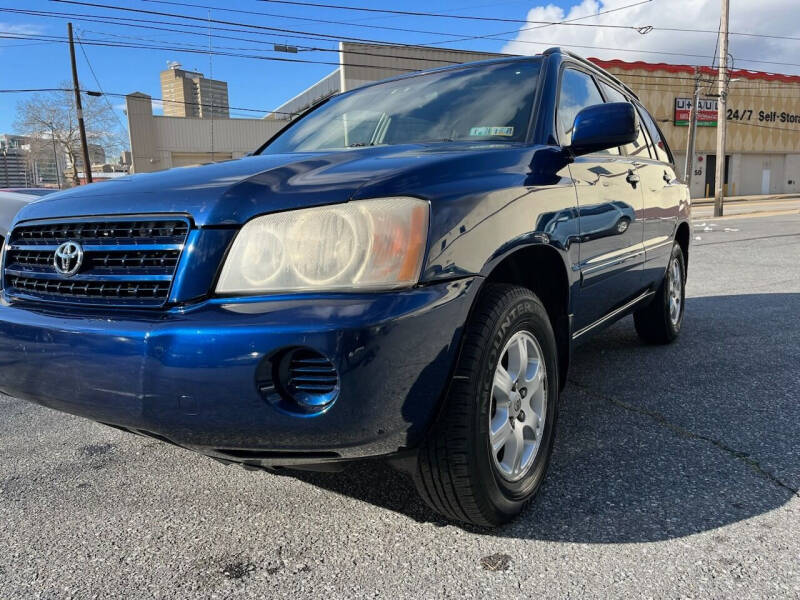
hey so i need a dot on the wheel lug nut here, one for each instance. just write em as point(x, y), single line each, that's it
point(521, 416)
point(523, 392)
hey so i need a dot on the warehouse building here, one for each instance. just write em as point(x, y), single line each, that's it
point(762, 153)
point(163, 142)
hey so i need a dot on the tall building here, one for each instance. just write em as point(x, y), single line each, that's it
point(189, 94)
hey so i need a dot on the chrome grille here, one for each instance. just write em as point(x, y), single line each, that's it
point(99, 232)
point(125, 261)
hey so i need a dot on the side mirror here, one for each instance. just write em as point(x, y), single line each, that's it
point(604, 126)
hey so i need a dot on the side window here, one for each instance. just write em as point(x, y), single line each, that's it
point(578, 91)
point(638, 148)
point(612, 95)
point(659, 143)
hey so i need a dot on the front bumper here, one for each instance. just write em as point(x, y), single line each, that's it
point(188, 376)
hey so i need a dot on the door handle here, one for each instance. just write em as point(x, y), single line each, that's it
point(632, 178)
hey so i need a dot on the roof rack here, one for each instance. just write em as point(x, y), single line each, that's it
point(588, 63)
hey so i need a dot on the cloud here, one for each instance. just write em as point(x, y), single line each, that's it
point(19, 29)
point(774, 17)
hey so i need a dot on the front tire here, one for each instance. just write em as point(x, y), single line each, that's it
point(487, 454)
point(660, 321)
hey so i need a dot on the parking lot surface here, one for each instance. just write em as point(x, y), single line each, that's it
point(675, 474)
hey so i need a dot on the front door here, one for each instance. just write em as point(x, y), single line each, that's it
point(610, 220)
point(610, 207)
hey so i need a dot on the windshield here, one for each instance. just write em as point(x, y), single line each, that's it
point(490, 102)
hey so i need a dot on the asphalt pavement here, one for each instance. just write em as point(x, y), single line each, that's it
point(676, 474)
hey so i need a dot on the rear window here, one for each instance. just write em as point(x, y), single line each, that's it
point(659, 143)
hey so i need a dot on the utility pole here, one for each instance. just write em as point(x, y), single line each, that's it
point(689, 166)
point(722, 112)
point(87, 165)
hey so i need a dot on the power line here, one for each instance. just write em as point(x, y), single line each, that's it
point(760, 83)
point(305, 19)
point(292, 114)
point(120, 95)
point(739, 33)
point(104, 19)
point(389, 28)
point(445, 15)
point(363, 40)
point(523, 21)
point(196, 46)
point(493, 36)
point(217, 21)
point(97, 81)
point(263, 27)
point(196, 50)
point(123, 22)
point(109, 44)
point(438, 61)
point(665, 88)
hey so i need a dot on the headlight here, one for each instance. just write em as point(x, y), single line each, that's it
point(365, 244)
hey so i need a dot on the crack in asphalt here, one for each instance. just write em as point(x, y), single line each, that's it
point(659, 418)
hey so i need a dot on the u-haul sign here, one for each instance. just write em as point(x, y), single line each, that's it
point(706, 112)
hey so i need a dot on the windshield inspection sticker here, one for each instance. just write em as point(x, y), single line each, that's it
point(490, 131)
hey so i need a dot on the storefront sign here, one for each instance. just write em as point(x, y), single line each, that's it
point(706, 112)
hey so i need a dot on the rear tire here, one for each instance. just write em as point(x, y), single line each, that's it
point(487, 454)
point(660, 321)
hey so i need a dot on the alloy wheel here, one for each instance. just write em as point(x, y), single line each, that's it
point(675, 289)
point(518, 407)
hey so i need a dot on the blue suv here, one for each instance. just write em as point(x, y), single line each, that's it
point(401, 273)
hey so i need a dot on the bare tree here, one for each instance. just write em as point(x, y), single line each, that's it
point(52, 117)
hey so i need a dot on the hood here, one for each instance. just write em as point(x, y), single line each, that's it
point(232, 192)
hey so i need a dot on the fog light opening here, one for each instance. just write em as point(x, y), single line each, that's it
point(298, 380)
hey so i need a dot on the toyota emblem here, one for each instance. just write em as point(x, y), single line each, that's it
point(68, 258)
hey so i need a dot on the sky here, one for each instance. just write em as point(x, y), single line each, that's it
point(262, 84)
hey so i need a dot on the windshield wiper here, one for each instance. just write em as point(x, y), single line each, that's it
point(360, 145)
